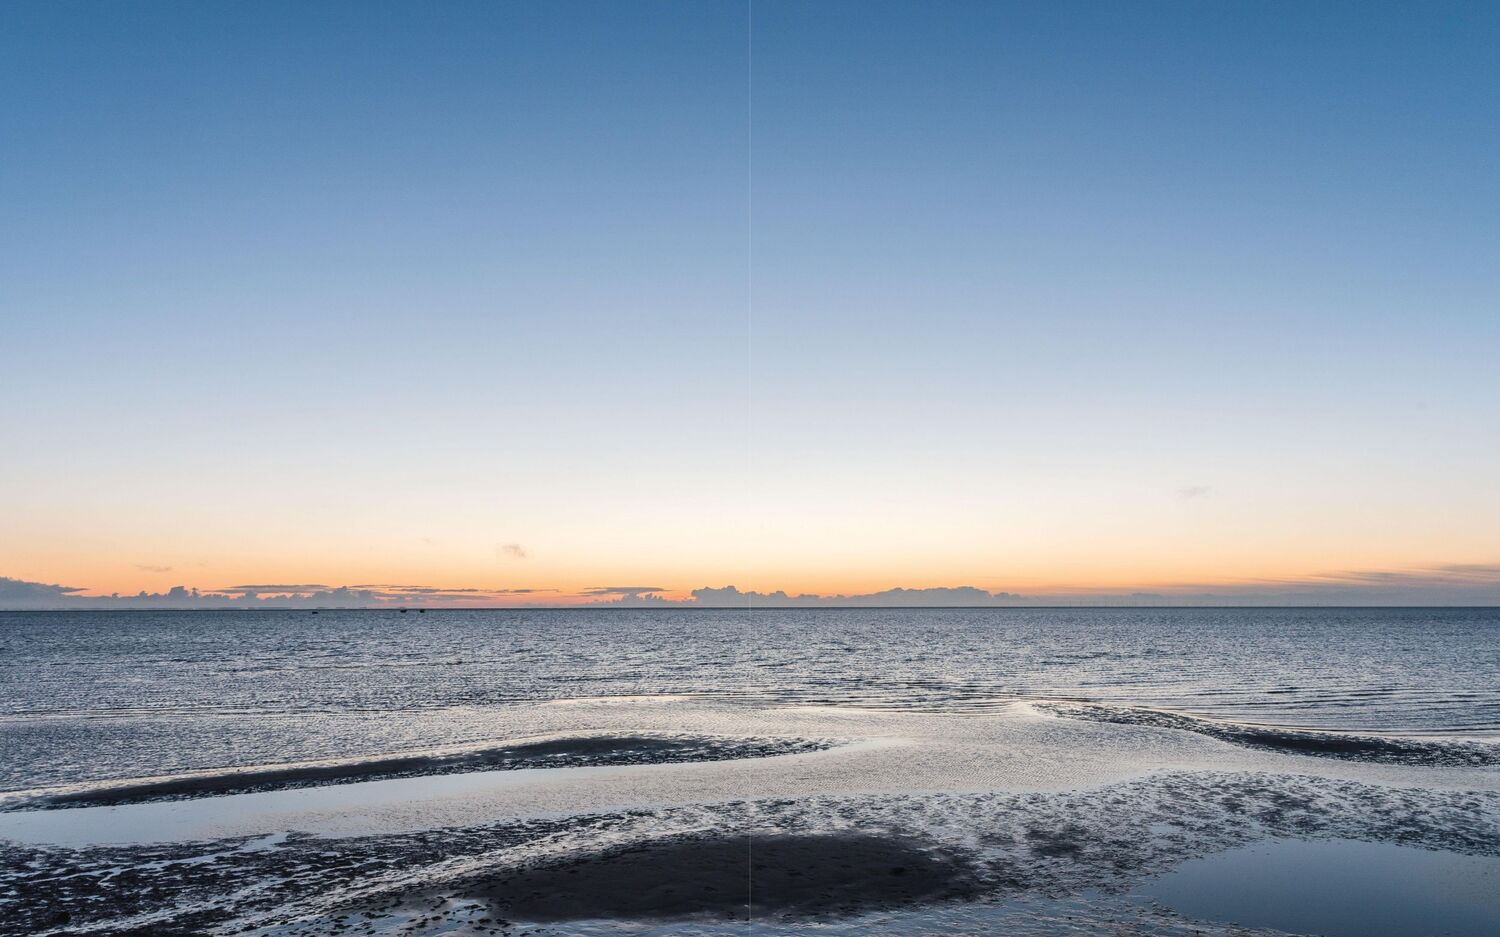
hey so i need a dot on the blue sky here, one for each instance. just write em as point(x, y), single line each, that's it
point(1045, 296)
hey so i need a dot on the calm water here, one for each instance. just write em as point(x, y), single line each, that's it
point(1339, 888)
point(107, 693)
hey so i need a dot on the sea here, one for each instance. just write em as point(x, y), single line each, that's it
point(178, 690)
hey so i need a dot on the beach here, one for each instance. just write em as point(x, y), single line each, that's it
point(974, 811)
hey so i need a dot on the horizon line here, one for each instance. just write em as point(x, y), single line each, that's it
point(691, 607)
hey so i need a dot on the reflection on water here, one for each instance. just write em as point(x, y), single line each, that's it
point(186, 820)
point(1339, 888)
point(277, 809)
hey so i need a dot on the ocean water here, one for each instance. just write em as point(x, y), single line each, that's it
point(127, 694)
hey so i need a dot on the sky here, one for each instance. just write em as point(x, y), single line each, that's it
point(512, 303)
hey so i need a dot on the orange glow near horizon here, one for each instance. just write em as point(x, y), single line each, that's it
point(573, 590)
point(851, 542)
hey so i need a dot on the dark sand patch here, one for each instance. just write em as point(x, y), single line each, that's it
point(572, 752)
point(790, 875)
point(1348, 746)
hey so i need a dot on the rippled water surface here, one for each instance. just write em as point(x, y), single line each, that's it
point(343, 683)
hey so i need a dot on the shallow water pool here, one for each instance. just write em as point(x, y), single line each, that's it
point(1339, 888)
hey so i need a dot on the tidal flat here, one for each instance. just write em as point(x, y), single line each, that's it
point(949, 809)
point(872, 822)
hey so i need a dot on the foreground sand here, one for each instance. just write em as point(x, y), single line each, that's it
point(1005, 818)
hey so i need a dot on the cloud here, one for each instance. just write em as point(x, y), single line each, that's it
point(949, 596)
point(1446, 574)
point(640, 600)
point(453, 592)
point(1440, 584)
point(418, 590)
point(19, 592)
point(622, 590)
point(897, 597)
point(148, 568)
point(512, 550)
point(631, 597)
point(1188, 492)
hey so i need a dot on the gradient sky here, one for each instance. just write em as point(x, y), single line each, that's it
point(1047, 297)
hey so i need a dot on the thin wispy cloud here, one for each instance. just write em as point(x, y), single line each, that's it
point(955, 596)
point(1188, 492)
point(420, 590)
point(623, 590)
point(512, 551)
point(399, 591)
point(1434, 575)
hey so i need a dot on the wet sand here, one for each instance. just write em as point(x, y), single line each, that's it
point(1394, 750)
point(566, 752)
point(1014, 821)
